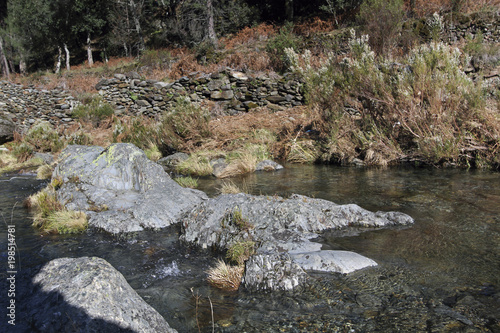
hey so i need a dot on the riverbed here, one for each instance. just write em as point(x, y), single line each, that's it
point(440, 274)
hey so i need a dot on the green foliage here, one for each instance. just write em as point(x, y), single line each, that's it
point(206, 53)
point(276, 46)
point(95, 111)
point(198, 164)
point(137, 130)
point(382, 21)
point(41, 137)
point(239, 252)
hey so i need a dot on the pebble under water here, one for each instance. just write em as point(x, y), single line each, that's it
point(440, 275)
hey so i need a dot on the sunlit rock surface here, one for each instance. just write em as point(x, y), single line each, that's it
point(88, 295)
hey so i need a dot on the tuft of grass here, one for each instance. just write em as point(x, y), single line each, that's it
point(50, 216)
point(8, 163)
point(225, 276)
point(229, 187)
point(152, 152)
point(198, 164)
point(44, 171)
point(302, 152)
point(239, 252)
point(64, 222)
point(187, 181)
point(41, 137)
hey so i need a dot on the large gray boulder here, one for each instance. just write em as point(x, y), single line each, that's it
point(277, 227)
point(6, 130)
point(89, 295)
point(120, 189)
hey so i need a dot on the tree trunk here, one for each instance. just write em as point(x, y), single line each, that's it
point(22, 66)
point(89, 52)
point(211, 28)
point(68, 67)
point(289, 10)
point(4, 64)
point(136, 18)
point(59, 59)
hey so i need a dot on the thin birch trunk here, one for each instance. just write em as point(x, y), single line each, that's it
point(211, 27)
point(89, 51)
point(5, 64)
point(68, 67)
point(59, 60)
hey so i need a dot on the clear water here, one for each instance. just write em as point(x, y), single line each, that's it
point(441, 274)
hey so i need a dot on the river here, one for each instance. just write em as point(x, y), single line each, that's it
point(441, 274)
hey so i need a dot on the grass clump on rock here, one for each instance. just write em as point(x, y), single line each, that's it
point(225, 276)
point(50, 216)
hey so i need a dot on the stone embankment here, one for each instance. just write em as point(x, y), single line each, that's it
point(233, 91)
point(24, 105)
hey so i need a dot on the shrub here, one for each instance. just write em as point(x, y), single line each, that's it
point(94, 112)
point(186, 122)
point(225, 276)
point(139, 130)
point(381, 19)
point(80, 138)
point(423, 105)
point(276, 46)
point(41, 137)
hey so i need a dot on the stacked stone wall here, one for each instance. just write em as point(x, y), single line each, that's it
point(233, 91)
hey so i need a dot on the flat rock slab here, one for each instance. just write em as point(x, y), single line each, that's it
point(120, 189)
point(88, 295)
point(332, 261)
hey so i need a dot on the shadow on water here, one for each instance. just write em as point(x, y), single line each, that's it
point(441, 274)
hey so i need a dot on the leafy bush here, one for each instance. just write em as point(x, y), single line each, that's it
point(276, 46)
point(94, 112)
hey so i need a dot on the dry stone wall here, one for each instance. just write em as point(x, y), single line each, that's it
point(24, 105)
point(233, 91)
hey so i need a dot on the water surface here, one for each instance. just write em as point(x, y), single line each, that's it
point(441, 274)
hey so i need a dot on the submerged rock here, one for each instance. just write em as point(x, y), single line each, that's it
point(281, 226)
point(332, 261)
point(120, 189)
point(89, 295)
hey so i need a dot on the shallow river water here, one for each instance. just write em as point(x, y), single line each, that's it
point(441, 274)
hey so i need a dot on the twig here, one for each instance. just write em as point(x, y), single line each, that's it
point(212, 312)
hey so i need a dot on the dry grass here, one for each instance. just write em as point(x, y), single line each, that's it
point(44, 171)
point(229, 187)
point(428, 7)
point(225, 276)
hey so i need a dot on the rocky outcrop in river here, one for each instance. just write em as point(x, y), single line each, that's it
point(120, 189)
point(280, 231)
point(89, 295)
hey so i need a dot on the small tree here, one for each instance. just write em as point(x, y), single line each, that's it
point(382, 21)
